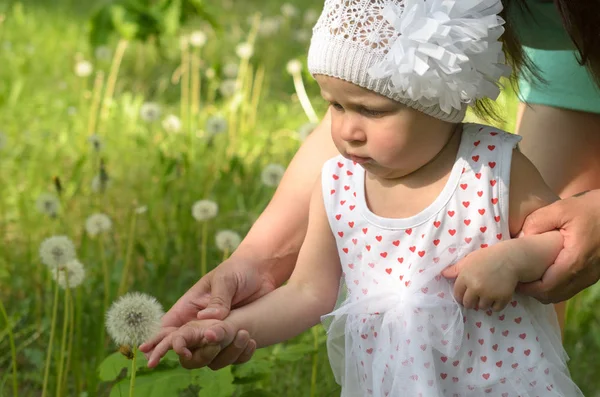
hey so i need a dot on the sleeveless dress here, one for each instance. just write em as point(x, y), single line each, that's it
point(397, 329)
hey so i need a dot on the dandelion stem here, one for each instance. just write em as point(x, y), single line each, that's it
point(133, 369)
point(112, 77)
point(13, 350)
point(203, 249)
point(256, 90)
point(63, 343)
point(98, 83)
point(225, 254)
point(70, 342)
point(185, 83)
point(50, 343)
point(196, 82)
point(105, 270)
point(303, 97)
point(123, 283)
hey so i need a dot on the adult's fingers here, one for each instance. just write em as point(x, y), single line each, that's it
point(222, 291)
point(200, 357)
point(248, 353)
point(551, 288)
point(545, 219)
point(231, 354)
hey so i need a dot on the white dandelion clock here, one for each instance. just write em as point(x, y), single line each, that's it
point(302, 36)
point(227, 240)
point(70, 275)
point(83, 68)
point(288, 10)
point(215, 125)
point(305, 130)
point(228, 88)
point(172, 124)
point(97, 223)
point(133, 319)
point(103, 53)
point(244, 50)
point(198, 39)
point(204, 210)
point(141, 210)
point(268, 27)
point(294, 67)
point(271, 175)
point(48, 204)
point(56, 251)
point(150, 112)
point(210, 73)
point(311, 16)
point(230, 70)
point(96, 142)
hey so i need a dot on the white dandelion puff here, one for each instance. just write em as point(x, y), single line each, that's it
point(302, 36)
point(48, 204)
point(230, 70)
point(56, 251)
point(150, 112)
point(97, 223)
point(288, 10)
point(210, 73)
point(204, 210)
point(100, 183)
point(305, 130)
point(96, 142)
point(198, 39)
point(215, 125)
point(70, 275)
point(268, 27)
point(103, 53)
point(294, 67)
point(228, 88)
point(244, 50)
point(227, 240)
point(311, 16)
point(271, 175)
point(141, 210)
point(172, 124)
point(83, 68)
point(133, 319)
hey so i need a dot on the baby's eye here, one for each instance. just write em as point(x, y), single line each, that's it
point(337, 106)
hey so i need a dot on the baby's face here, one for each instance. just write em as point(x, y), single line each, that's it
point(387, 138)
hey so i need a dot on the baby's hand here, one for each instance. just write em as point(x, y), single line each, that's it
point(483, 280)
point(205, 337)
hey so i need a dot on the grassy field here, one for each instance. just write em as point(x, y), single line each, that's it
point(87, 143)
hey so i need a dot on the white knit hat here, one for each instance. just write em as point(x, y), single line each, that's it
point(436, 56)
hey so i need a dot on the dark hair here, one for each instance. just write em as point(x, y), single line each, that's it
point(580, 19)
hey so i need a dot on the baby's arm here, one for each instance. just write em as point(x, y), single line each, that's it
point(298, 305)
point(488, 278)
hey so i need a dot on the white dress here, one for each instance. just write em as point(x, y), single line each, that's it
point(398, 330)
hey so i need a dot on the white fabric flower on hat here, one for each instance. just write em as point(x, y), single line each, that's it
point(446, 52)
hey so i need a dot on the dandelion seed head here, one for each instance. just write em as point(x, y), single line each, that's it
point(269, 27)
point(97, 223)
point(216, 125)
point(294, 67)
point(288, 10)
point(198, 39)
point(311, 16)
point(75, 272)
point(227, 240)
point(150, 112)
point(100, 183)
point(230, 70)
point(103, 53)
point(210, 73)
point(96, 142)
point(302, 36)
point(56, 251)
point(271, 175)
point(141, 210)
point(172, 124)
point(83, 68)
point(305, 130)
point(48, 204)
point(204, 210)
point(228, 88)
point(133, 319)
point(244, 50)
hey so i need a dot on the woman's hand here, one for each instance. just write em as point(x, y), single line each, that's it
point(578, 264)
point(236, 282)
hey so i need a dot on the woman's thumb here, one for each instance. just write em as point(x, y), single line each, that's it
point(222, 291)
point(544, 219)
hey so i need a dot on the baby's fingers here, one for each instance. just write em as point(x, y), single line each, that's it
point(160, 350)
point(185, 338)
point(147, 346)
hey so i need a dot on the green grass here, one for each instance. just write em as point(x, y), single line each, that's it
point(45, 112)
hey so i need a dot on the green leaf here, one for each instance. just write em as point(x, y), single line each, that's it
point(111, 367)
point(258, 393)
point(101, 26)
point(156, 383)
point(124, 22)
point(252, 371)
point(171, 18)
point(295, 352)
point(216, 383)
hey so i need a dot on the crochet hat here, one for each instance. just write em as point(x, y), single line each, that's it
point(436, 56)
